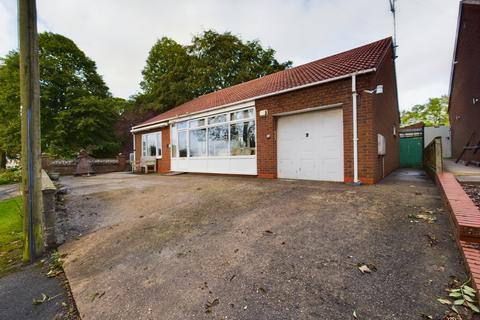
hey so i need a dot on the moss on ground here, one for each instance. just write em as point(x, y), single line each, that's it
point(11, 231)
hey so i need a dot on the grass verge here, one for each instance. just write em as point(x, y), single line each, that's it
point(11, 234)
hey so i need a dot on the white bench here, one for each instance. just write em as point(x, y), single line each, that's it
point(146, 164)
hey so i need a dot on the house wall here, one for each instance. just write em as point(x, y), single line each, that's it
point(464, 114)
point(386, 117)
point(325, 94)
point(163, 164)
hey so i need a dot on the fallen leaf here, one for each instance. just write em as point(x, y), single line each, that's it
point(44, 298)
point(444, 301)
point(364, 269)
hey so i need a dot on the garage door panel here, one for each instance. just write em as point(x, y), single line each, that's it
point(310, 146)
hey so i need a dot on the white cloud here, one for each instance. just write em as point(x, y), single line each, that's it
point(118, 34)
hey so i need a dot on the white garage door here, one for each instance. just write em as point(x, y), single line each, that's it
point(310, 145)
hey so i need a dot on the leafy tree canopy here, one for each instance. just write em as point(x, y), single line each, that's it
point(432, 113)
point(177, 73)
point(76, 105)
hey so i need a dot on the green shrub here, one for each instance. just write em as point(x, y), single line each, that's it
point(10, 176)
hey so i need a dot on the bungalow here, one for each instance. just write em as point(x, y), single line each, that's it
point(334, 119)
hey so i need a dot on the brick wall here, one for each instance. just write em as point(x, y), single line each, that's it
point(163, 164)
point(464, 115)
point(386, 118)
point(326, 94)
point(375, 114)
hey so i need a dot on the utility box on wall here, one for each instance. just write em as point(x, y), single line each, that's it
point(382, 145)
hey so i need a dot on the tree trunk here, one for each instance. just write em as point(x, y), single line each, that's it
point(3, 160)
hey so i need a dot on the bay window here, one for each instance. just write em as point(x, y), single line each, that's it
point(229, 134)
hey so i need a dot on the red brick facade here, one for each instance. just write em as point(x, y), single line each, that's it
point(376, 113)
point(464, 113)
point(163, 164)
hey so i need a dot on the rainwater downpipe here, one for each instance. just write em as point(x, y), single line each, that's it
point(355, 129)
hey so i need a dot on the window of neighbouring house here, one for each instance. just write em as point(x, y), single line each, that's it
point(222, 135)
point(152, 145)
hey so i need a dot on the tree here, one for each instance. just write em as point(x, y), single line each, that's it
point(9, 107)
point(175, 73)
point(432, 113)
point(88, 124)
point(71, 91)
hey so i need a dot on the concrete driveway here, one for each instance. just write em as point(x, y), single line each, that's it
point(214, 247)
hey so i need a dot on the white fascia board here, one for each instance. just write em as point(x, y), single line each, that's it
point(269, 95)
point(149, 127)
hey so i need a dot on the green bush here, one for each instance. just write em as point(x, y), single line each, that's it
point(10, 176)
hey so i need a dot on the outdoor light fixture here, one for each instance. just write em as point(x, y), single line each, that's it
point(475, 100)
point(377, 90)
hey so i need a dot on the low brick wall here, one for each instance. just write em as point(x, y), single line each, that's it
point(432, 157)
point(49, 192)
point(69, 167)
point(466, 220)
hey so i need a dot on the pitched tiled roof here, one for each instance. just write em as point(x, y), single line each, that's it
point(358, 59)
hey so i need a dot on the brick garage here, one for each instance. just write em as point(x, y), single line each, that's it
point(309, 88)
point(464, 105)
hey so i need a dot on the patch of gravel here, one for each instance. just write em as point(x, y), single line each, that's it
point(473, 192)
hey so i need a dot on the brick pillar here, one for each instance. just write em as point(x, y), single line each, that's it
point(46, 162)
point(122, 162)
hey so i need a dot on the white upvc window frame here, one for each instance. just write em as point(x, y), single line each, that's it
point(157, 136)
point(174, 130)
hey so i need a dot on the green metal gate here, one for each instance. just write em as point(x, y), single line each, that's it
point(411, 148)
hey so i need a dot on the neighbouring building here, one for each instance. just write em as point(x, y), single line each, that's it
point(334, 119)
point(464, 105)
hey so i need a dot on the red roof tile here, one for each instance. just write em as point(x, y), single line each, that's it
point(358, 59)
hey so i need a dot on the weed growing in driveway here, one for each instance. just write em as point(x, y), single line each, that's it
point(463, 296)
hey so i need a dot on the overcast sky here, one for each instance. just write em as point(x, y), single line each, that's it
point(118, 34)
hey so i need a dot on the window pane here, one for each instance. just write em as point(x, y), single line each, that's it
point(218, 141)
point(244, 114)
point(151, 145)
point(198, 143)
point(217, 119)
point(182, 125)
point(144, 145)
point(182, 144)
point(242, 138)
point(197, 123)
point(159, 144)
point(173, 141)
